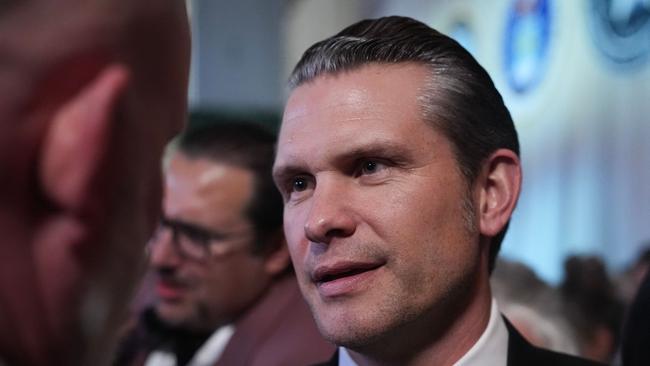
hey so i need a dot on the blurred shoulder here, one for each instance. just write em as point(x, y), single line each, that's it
point(522, 353)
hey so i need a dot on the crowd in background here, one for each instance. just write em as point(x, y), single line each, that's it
point(582, 315)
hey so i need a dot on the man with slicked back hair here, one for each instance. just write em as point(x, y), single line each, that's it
point(399, 167)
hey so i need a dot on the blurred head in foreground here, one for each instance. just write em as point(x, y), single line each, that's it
point(90, 92)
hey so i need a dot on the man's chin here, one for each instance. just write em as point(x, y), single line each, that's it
point(346, 328)
point(352, 337)
point(173, 313)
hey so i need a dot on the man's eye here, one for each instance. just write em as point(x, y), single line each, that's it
point(299, 184)
point(195, 236)
point(370, 167)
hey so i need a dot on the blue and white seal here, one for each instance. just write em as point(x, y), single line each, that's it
point(526, 45)
point(621, 30)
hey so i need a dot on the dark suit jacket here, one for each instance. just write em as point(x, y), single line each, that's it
point(277, 331)
point(635, 346)
point(520, 353)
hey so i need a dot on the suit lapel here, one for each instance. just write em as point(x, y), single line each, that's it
point(252, 329)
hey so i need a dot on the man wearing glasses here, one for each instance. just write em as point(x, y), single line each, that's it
point(225, 290)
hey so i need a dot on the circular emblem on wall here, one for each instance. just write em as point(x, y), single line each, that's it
point(621, 30)
point(526, 43)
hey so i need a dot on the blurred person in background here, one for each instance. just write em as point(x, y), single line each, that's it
point(225, 290)
point(635, 343)
point(628, 282)
point(533, 307)
point(90, 93)
point(592, 306)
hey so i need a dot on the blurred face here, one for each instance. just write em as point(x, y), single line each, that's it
point(154, 43)
point(204, 198)
point(156, 106)
point(71, 276)
point(374, 213)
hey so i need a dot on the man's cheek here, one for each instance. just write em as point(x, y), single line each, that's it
point(294, 235)
point(296, 257)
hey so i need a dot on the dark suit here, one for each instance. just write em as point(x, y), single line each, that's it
point(277, 331)
point(635, 346)
point(520, 353)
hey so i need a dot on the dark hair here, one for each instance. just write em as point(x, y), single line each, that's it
point(459, 100)
point(591, 299)
point(246, 145)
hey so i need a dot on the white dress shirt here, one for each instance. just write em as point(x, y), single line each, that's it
point(207, 355)
point(491, 349)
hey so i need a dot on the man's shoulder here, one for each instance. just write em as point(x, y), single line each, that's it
point(269, 332)
point(533, 357)
point(538, 356)
point(520, 352)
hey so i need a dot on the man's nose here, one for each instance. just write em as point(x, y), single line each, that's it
point(162, 251)
point(331, 215)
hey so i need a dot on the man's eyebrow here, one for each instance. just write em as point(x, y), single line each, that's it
point(385, 149)
point(189, 227)
point(381, 149)
point(283, 171)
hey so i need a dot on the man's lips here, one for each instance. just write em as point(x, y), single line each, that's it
point(170, 290)
point(340, 278)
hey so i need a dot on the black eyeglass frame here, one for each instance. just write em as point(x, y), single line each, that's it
point(204, 243)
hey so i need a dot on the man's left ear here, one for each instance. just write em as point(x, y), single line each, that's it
point(277, 259)
point(500, 184)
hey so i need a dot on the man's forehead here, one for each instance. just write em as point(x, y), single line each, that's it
point(200, 186)
point(202, 171)
point(374, 92)
point(375, 113)
point(324, 94)
point(370, 83)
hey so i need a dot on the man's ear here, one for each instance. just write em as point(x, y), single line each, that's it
point(278, 259)
point(500, 185)
point(77, 141)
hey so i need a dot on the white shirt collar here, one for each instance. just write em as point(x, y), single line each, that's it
point(344, 358)
point(491, 349)
point(206, 355)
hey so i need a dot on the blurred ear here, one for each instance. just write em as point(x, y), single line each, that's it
point(77, 141)
point(278, 260)
point(500, 185)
